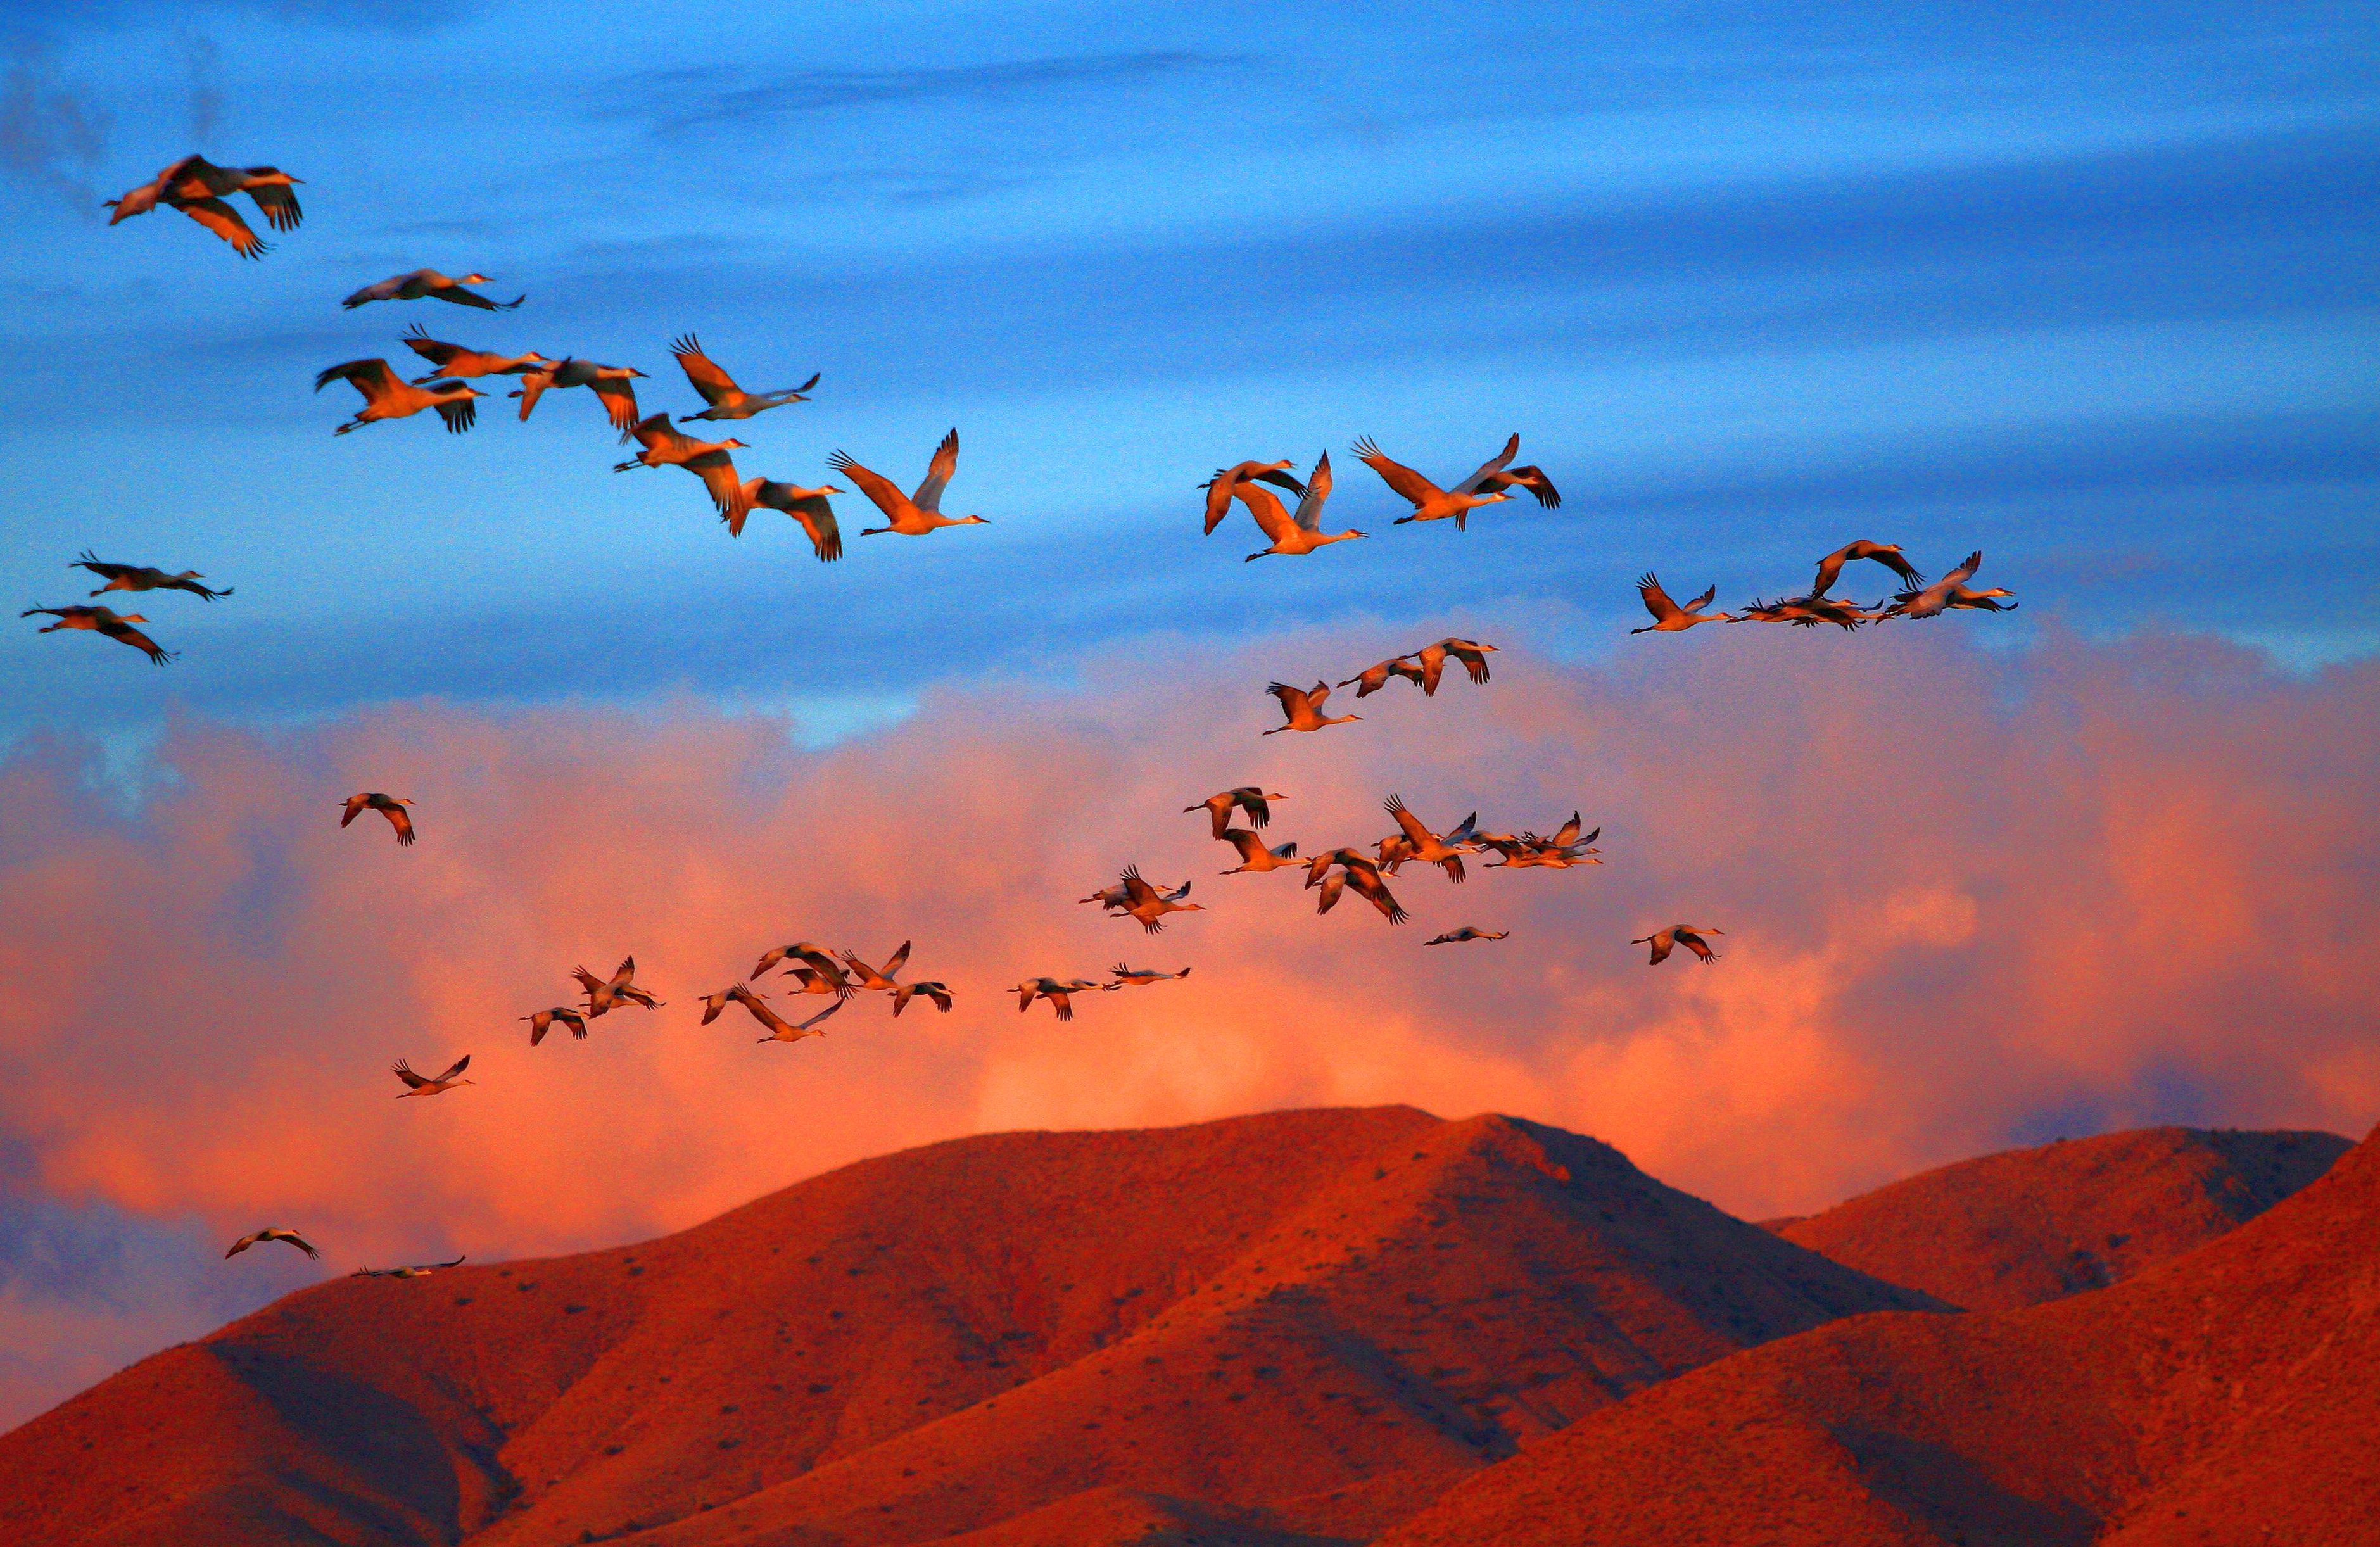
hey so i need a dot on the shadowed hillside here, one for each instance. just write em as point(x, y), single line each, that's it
point(1299, 1324)
point(2009, 1230)
point(2223, 1397)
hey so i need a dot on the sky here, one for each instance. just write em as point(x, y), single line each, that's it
point(2088, 292)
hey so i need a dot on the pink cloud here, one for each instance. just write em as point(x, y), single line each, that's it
point(1962, 893)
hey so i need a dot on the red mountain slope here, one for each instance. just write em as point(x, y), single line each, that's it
point(2226, 1396)
point(1300, 1322)
point(2014, 1229)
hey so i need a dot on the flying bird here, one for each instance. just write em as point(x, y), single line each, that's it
point(417, 1085)
point(289, 1238)
point(1250, 798)
point(542, 1022)
point(887, 981)
point(1457, 937)
point(614, 384)
point(386, 397)
point(667, 446)
point(1432, 658)
point(810, 951)
point(390, 806)
point(779, 1028)
point(1058, 994)
point(1356, 873)
point(1687, 934)
point(727, 400)
point(454, 361)
point(198, 187)
point(1373, 678)
point(910, 516)
point(1148, 905)
point(1668, 616)
point(1255, 858)
point(416, 1270)
point(606, 994)
point(142, 577)
point(1429, 501)
point(1118, 895)
point(1302, 709)
point(1948, 592)
point(431, 284)
point(807, 506)
point(103, 619)
point(1564, 849)
point(1420, 844)
point(1292, 535)
point(1141, 977)
point(1809, 612)
point(1885, 553)
point(938, 992)
point(1227, 481)
point(1532, 478)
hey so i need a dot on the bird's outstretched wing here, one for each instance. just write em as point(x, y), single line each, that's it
point(1317, 489)
point(715, 386)
point(224, 221)
point(880, 491)
point(938, 474)
point(458, 1066)
point(1493, 465)
point(1396, 474)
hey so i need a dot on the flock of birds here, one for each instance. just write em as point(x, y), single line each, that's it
point(200, 189)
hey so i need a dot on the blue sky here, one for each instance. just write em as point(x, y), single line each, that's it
point(2091, 293)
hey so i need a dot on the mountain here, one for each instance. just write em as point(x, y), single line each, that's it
point(2223, 1396)
point(1294, 1328)
point(2017, 1228)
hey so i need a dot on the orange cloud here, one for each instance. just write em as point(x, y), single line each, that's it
point(1964, 896)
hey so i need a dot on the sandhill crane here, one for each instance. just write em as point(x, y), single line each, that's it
point(1255, 858)
point(391, 806)
point(612, 383)
point(418, 1085)
point(454, 361)
point(779, 1028)
point(1950, 591)
point(1303, 709)
point(104, 620)
point(1668, 616)
point(910, 516)
point(1471, 653)
point(667, 446)
point(543, 1021)
point(143, 577)
point(197, 187)
point(932, 989)
point(1457, 937)
point(1060, 993)
point(1687, 934)
point(1808, 612)
point(1885, 553)
point(1292, 535)
point(809, 980)
point(1250, 798)
point(1358, 875)
point(714, 1003)
point(807, 506)
point(1118, 895)
point(1429, 501)
point(1564, 849)
point(416, 1270)
point(606, 994)
point(386, 397)
point(727, 400)
point(1148, 905)
point(1372, 679)
point(287, 1237)
point(1532, 478)
point(886, 981)
point(431, 284)
point(1141, 977)
point(1420, 844)
point(1227, 481)
point(810, 951)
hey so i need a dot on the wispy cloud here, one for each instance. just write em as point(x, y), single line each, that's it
point(681, 100)
point(52, 134)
